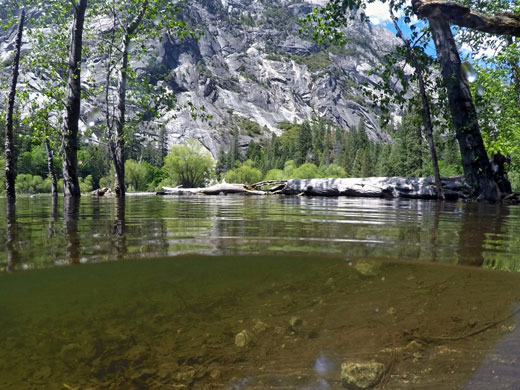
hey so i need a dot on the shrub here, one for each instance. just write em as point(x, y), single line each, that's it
point(306, 171)
point(189, 165)
point(245, 173)
point(85, 184)
point(274, 174)
point(135, 175)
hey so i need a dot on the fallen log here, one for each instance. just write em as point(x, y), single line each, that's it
point(376, 187)
point(217, 189)
point(379, 187)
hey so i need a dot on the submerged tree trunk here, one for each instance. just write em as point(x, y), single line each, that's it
point(10, 175)
point(428, 127)
point(70, 136)
point(475, 162)
point(50, 168)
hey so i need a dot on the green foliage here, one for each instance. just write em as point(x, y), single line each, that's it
point(244, 173)
point(85, 184)
point(189, 165)
point(29, 184)
point(274, 174)
point(33, 161)
point(93, 160)
point(135, 175)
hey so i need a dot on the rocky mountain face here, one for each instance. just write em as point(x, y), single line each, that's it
point(251, 62)
point(251, 65)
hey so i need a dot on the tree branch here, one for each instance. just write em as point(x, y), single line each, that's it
point(460, 15)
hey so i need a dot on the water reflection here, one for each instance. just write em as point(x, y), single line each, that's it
point(95, 230)
point(70, 229)
point(118, 229)
point(11, 236)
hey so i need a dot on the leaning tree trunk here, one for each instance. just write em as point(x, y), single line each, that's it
point(428, 127)
point(70, 136)
point(10, 175)
point(50, 168)
point(477, 169)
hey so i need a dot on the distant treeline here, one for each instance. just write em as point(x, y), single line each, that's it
point(317, 149)
point(311, 149)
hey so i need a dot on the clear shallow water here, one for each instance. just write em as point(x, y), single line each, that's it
point(312, 283)
point(96, 230)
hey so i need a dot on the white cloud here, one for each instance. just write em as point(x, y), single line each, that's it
point(378, 12)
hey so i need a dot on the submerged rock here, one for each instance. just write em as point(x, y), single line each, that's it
point(243, 339)
point(368, 267)
point(360, 376)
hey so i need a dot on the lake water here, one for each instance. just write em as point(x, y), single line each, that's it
point(233, 292)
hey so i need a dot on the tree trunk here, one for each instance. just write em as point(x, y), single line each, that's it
point(428, 127)
point(50, 168)
point(10, 175)
point(70, 136)
point(119, 147)
point(118, 155)
point(475, 162)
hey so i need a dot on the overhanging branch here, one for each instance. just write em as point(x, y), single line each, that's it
point(460, 15)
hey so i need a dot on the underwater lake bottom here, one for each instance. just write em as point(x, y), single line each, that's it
point(258, 322)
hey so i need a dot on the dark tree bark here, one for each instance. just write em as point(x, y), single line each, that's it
point(501, 24)
point(10, 174)
point(70, 136)
point(477, 169)
point(428, 127)
point(50, 168)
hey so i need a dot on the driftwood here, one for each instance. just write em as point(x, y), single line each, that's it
point(218, 189)
point(378, 187)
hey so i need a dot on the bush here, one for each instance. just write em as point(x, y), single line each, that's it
point(274, 174)
point(331, 170)
point(29, 184)
point(245, 173)
point(135, 176)
point(85, 184)
point(306, 171)
point(189, 165)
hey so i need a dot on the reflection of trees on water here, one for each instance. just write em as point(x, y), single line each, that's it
point(118, 228)
point(51, 231)
point(11, 235)
point(70, 229)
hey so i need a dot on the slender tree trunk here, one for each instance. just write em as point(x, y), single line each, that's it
point(477, 169)
point(428, 127)
point(10, 175)
point(118, 146)
point(70, 136)
point(118, 155)
point(50, 168)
